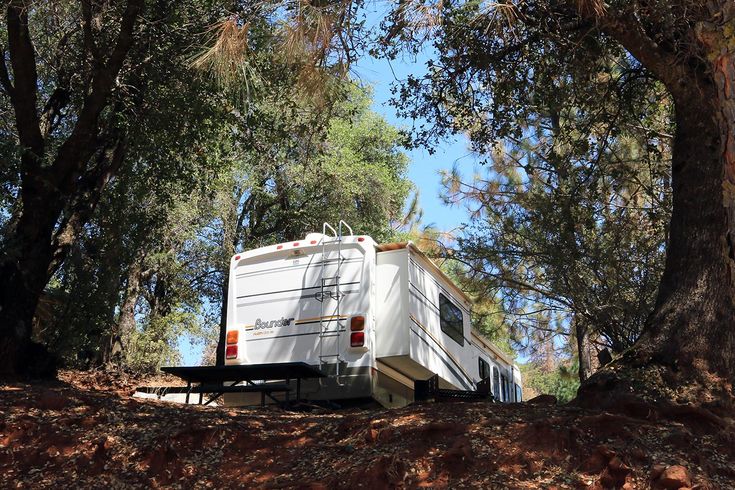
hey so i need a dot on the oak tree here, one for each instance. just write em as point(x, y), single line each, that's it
point(500, 62)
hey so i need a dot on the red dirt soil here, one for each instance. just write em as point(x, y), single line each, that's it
point(87, 431)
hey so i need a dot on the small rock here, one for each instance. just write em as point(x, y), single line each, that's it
point(607, 479)
point(619, 471)
point(675, 477)
point(638, 454)
point(534, 466)
point(597, 460)
point(595, 463)
point(386, 434)
point(543, 400)
point(371, 435)
point(616, 464)
point(656, 471)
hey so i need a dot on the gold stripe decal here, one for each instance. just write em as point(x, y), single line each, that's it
point(319, 318)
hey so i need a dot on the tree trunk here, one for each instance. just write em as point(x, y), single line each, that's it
point(24, 273)
point(582, 337)
point(125, 325)
point(220, 359)
point(693, 323)
point(692, 327)
point(29, 255)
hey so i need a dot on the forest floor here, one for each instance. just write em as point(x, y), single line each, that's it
point(87, 431)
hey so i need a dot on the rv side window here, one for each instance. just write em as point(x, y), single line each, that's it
point(451, 320)
point(496, 383)
point(519, 394)
point(484, 369)
point(504, 387)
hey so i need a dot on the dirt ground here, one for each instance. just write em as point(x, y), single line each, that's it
point(86, 431)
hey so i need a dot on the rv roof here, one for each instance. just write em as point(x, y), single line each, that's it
point(387, 247)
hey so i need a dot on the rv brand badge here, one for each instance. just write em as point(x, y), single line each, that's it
point(283, 322)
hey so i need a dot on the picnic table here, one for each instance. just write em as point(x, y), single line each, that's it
point(217, 380)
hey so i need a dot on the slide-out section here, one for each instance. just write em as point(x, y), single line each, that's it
point(423, 321)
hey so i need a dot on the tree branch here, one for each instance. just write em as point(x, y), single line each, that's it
point(79, 147)
point(88, 37)
point(4, 77)
point(86, 199)
point(52, 114)
point(25, 78)
point(625, 27)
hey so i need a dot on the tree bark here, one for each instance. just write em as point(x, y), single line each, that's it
point(693, 323)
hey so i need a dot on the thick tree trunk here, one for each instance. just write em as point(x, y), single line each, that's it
point(24, 272)
point(693, 323)
point(691, 332)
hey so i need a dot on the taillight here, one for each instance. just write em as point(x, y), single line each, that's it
point(357, 339)
point(232, 337)
point(357, 323)
point(231, 352)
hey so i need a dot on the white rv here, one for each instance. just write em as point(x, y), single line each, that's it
point(375, 317)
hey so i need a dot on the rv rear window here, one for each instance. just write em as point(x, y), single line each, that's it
point(451, 320)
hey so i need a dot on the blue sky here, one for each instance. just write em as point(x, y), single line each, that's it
point(424, 167)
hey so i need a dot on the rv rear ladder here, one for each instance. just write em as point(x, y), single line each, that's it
point(325, 293)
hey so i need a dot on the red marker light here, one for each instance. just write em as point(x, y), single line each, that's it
point(313, 242)
point(231, 352)
point(357, 339)
point(295, 244)
point(237, 257)
point(357, 323)
point(361, 239)
point(279, 247)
